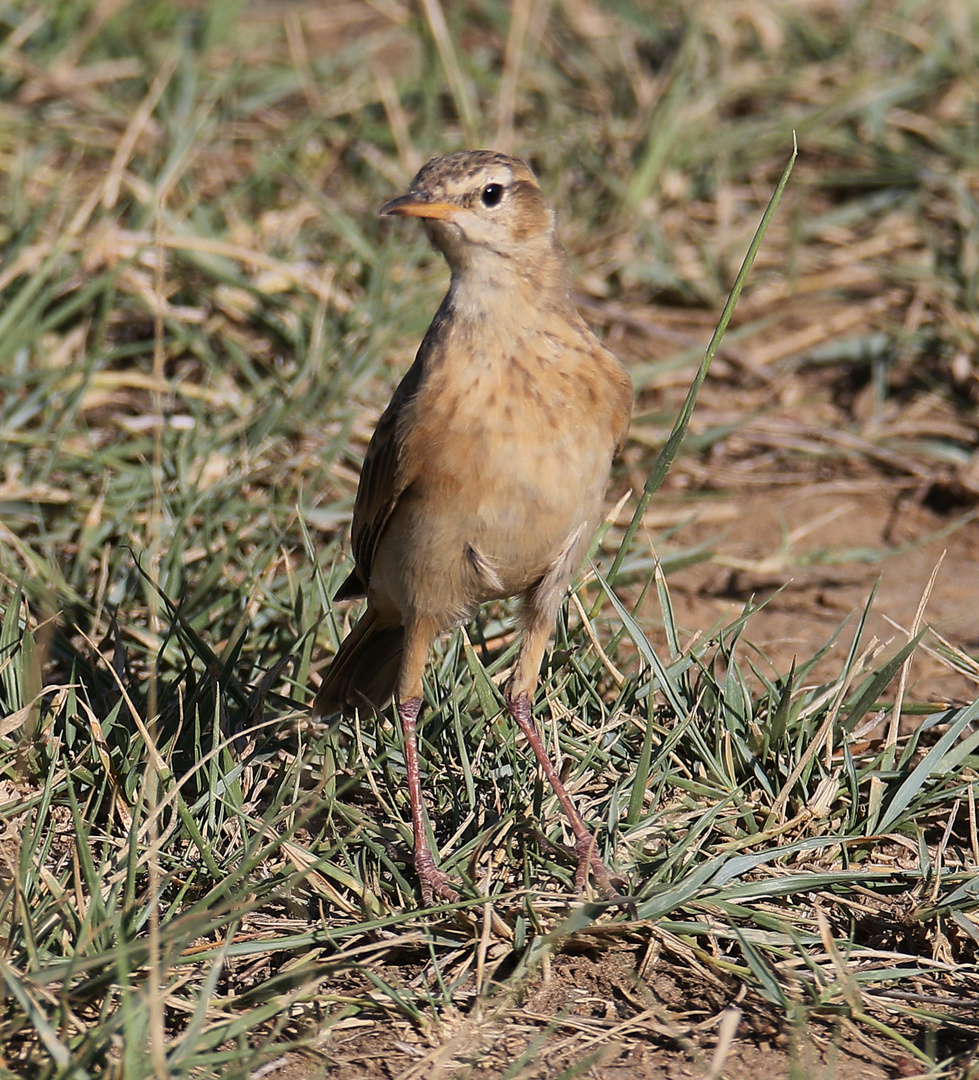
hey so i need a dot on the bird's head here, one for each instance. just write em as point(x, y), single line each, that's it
point(478, 203)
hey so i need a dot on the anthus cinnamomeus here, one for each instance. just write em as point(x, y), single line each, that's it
point(486, 475)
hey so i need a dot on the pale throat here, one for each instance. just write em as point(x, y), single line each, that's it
point(511, 292)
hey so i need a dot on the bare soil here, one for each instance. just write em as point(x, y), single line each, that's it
point(593, 1016)
point(858, 541)
point(816, 499)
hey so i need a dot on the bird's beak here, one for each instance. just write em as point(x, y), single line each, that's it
point(415, 205)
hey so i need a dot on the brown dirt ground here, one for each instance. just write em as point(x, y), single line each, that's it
point(816, 496)
point(591, 1016)
point(816, 599)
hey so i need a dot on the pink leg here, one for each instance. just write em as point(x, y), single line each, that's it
point(433, 881)
point(585, 847)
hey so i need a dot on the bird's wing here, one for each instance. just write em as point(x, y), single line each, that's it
point(618, 392)
point(384, 478)
point(623, 408)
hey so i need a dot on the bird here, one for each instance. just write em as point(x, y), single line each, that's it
point(486, 475)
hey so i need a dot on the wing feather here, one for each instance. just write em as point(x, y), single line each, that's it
point(387, 472)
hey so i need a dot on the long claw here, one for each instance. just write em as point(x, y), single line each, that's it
point(611, 884)
point(434, 883)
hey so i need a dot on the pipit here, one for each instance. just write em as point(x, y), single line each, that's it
point(486, 475)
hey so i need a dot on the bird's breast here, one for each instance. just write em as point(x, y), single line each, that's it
point(517, 418)
point(514, 458)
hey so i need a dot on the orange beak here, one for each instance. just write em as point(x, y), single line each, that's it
point(412, 205)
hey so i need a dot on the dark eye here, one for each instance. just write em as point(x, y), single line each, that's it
point(492, 194)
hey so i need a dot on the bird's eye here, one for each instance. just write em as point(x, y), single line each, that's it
point(492, 194)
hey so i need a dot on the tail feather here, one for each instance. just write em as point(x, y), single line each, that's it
point(364, 670)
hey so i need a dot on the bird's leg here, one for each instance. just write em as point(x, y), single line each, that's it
point(519, 697)
point(433, 881)
point(585, 848)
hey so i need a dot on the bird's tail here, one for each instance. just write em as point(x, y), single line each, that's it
point(364, 669)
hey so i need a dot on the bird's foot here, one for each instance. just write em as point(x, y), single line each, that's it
point(433, 882)
point(611, 884)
